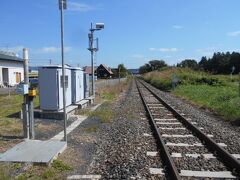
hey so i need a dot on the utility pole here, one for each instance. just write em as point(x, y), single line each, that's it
point(91, 48)
point(25, 97)
point(62, 6)
point(92, 64)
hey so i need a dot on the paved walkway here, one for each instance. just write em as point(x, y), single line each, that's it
point(36, 151)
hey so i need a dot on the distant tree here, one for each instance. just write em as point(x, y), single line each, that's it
point(145, 68)
point(123, 70)
point(115, 72)
point(157, 64)
point(189, 63)
point(235, 61)
point(221, 63)
point(203, 63)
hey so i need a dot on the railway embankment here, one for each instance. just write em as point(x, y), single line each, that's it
point(218, 94)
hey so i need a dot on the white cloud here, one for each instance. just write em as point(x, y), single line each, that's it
point(234, 33)
point(177, 27)
point(164, 49)
point(53, 49)
point(81, 7)
point(15, 49)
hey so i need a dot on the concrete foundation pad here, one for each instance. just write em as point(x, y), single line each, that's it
point(83, 103)
point(91, 99)
point(158, 171)
point(92, 177)
point(34, 151)
point(58, 115)
point(177, 135)
point(207, 174)
point(152, 153)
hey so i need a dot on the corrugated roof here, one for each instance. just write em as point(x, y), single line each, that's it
point(107, 68)
point(9, 57)
point(88, 69)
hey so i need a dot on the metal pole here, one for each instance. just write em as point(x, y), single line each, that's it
point(92, 51)
point(119, 73)
point(25, 98)
point(31, 118)
point(63, 73)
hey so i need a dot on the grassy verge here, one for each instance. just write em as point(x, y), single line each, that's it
point(57, 169)
point(10, 106)
point(223, 100)
point(104, 113)
point(110, 92)
point(218, 93)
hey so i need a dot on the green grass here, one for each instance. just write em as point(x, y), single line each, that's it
point(91, 129)
point(61, 166)
point(216, 92)
point(49, 174)
point(104, 113)
point(82, 112)
point(12, 104)
point(222, 99)
point(9, 107)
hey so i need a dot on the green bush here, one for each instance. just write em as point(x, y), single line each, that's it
point(61, 166)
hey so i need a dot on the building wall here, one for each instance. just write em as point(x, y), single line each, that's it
point(13, 68)
point(102, 73)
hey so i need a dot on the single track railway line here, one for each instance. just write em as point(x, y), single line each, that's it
point(186, 151)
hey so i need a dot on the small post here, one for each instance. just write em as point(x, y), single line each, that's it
point(31, 119)
point(119, 77)
point(239, 86)
point(25, 98)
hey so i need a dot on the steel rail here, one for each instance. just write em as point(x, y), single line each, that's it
point(224, 156)
point(172, 169)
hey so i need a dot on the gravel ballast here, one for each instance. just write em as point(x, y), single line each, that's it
point(122, 148)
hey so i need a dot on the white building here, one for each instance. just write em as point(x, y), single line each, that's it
point(11, 69)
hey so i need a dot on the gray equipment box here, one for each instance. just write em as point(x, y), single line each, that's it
point(77, 85)
point(51, 88)
point(86, 85)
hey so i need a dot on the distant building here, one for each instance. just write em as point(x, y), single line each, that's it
point(33, 72)
point(133, 71)
point(11, 69)
point(104, 72)
point(88, 70)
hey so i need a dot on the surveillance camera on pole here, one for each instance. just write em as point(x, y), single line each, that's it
point(99, 26)
point(92, 49)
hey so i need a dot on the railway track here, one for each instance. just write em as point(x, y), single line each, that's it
point(186, 151)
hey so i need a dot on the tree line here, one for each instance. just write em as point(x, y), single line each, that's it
point(219, 63)
point(152, 66)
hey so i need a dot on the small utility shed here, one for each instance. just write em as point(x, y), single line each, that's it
point(11, 69)
point(51, 87)
point(104, 72)
point(77, 84)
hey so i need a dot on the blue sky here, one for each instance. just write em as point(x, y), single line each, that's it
point(136, 31)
